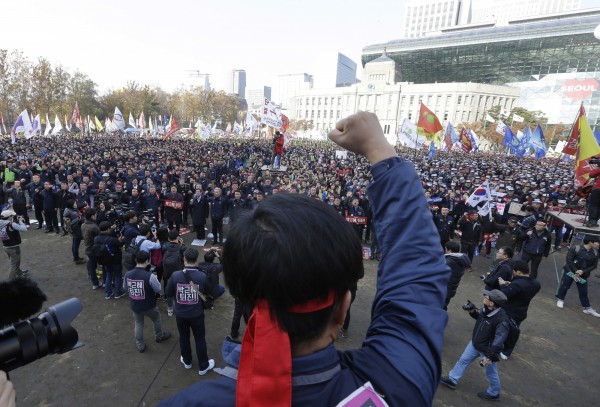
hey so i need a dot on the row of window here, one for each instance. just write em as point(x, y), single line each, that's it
point(325, 100)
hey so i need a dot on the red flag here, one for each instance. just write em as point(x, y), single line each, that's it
point(174, 128)
point(285, 123)
point(465, 141)
point(428, 121)
point(573, 142)
point(75, 118)
point(448, 138)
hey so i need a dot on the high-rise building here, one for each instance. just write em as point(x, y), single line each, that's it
point(256, 97)
point(422, 16)
point(345, 72)
point(289, 85)
point(238, 83)
point(201, 79)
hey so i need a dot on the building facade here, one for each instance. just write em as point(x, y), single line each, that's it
point(525, 50)
point(394, 101)
point(238, 83)
point(289, 85)
point(345, 72)
point(422, 16)
point(502, 11)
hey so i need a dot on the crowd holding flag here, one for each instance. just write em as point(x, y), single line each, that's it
point(173, 129)
point(481, 195)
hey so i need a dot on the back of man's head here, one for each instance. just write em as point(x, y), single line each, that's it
point(173, 235)
point(89, 213)
point(210, 256)
point(190, 255)
point(453, 246)
point(268, 257)
point(520, 265)
point(141, 257)
point(145, 229)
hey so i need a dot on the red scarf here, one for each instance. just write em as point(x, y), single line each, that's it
point(265, 371)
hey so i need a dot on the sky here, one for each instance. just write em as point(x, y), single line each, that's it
point(159, 42)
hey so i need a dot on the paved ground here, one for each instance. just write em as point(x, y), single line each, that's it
point(555, 363)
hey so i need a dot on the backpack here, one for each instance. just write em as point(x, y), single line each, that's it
point(172, 259)
point(102, 252)
point(131, 253)
point(513, 334)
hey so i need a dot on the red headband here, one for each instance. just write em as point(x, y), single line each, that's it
point(265, 371)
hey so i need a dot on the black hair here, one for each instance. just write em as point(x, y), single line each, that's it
point(104, 226)
point(144, 229)
point(508, 251)
point(453, 246)
point(142, 256)
point(70, 203)
point(520, 265)
point(89, 213)
point(173, 234)
point(190, 255)
point(210, 256)
point(129, 215)
point(162, 234)
point(589, 238)
point(267, 256)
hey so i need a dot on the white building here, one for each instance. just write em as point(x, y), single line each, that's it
point(289, 85)
point(238, 83)
point(394, 101)
point(345, 71)
point(256, 97)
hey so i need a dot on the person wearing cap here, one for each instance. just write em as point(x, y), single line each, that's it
point(299, 287)
point(12, 241)
point(536, 243)
point(581, 261)
point(489, 334)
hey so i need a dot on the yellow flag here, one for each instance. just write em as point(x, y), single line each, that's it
point(98, 124)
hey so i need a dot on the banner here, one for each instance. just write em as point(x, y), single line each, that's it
point(271, 115)
point(465, 141)
point(143, 121)
point(501, 128)
point(408, 136)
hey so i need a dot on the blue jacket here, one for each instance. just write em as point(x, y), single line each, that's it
point(187, 303)
point(401, 354)
point(141, 287)
point(537, 244)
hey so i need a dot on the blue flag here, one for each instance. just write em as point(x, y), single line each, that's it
point(431, 150)
point(509, 138)
point(597, 136)
point(165, 120)
point(538, 142)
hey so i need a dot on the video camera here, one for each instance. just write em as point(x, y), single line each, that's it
point(49, 333)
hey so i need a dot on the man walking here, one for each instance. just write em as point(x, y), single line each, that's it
point(187, 286)
point(536, 243)
point(490, 331)
point(141, 286)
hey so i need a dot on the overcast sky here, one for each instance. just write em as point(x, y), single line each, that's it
point(157, 42)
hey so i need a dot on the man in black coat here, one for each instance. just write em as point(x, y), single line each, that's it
point(502, 270)
point(457, 262)
point(444, 222)
point(470, 233)
point(199, 205)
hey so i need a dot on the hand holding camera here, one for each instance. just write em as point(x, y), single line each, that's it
point(469, 306)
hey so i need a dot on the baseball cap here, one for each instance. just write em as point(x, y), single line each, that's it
point(7, 213)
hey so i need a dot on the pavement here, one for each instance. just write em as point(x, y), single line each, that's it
point(555, 362)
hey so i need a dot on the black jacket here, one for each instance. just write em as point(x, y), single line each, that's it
point(520, 292)
point(444, 225)
point(490, 332)
point(503, 270)
point(457, 263)
point(579, 258)
point(537, 244)
point(471, 231)
point(199, 210)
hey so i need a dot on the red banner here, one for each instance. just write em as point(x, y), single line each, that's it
point(357, 220)
point(174, 204)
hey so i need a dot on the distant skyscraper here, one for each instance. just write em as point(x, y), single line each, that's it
point(256, 97)
point(345, 73)
point(423, 16)
point(203, 79)
point(238, 85)
point(289, 85)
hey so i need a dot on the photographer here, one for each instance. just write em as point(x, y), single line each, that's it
point(12, 245)
point(490, 331)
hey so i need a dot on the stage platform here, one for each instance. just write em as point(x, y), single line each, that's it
point(576, 222)
point(274, 171)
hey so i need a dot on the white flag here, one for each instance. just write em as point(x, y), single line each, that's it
point(409, 137)
point(150, 125)
point(48, 127)
point(142, 121)
point(36, 127)
point(489, 118)
point(23, 125)
point(237, 128)
point(131, 120)
point(57, 126)
point(481, 194)
point(501, 128)
point(251, 122)
point(271, 115)
point(118, 123)
point(517, 118)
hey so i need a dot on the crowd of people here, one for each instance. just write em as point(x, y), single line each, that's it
point(134, 195)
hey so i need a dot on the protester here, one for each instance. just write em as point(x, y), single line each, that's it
point(300, 292)
point(140, 285)
point(188, 286)
point(71, 223)
point(109, 255)
point(581, 261)
point(89, 231)
point(536, 243)
point(502, 269)
point(457, 262)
